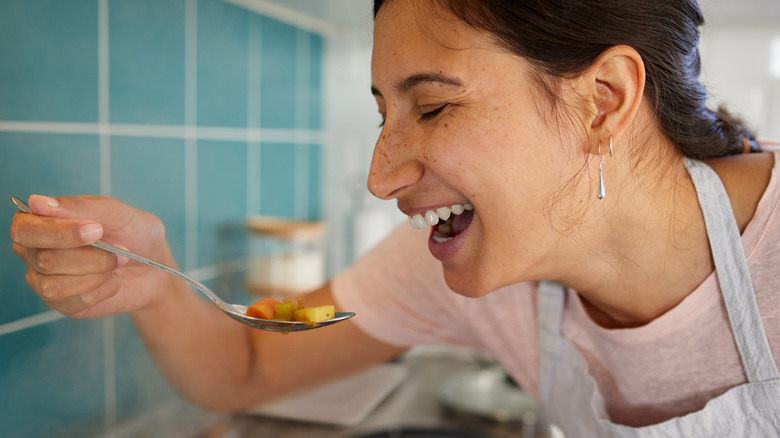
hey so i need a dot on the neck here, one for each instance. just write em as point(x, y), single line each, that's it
point(643, 249)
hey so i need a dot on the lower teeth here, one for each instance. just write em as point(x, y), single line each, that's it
point(442, 233)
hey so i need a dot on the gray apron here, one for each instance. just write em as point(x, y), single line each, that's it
point(573, 400)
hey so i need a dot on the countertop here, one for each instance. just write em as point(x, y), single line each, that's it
point(413, 404)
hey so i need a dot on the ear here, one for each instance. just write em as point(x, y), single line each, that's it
point(613, 88)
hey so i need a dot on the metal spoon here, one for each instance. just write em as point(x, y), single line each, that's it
point(235, 311)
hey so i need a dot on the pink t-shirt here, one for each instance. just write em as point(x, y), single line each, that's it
point(667, 368)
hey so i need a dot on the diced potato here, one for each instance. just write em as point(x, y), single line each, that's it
point(285, 309)
point(284, 312)
point(315, 314)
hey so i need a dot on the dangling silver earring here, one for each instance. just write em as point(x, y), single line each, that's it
point(602, 192)
point(610, 146)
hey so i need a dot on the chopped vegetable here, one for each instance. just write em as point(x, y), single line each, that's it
point(285, 309)
point(290, 309)
point(263, 309)
point(315, 314)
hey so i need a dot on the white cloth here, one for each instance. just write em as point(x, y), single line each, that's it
point(667, 368)
point(749, 410)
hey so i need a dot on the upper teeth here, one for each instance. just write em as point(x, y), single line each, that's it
point(431, 217)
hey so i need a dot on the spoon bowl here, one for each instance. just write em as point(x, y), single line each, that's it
point(235, 311)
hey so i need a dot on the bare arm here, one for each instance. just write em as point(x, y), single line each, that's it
point(225, 366)
point(210, 359)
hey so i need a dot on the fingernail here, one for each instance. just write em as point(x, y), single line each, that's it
point(91, 232)
point(51, 202)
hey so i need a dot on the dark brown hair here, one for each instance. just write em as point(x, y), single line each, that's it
point(562, 38)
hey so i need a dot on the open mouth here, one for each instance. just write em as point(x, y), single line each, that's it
point(447, 222)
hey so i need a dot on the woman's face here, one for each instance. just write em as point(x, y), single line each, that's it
point(466, 125)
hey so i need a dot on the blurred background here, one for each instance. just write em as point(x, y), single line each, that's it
point(206, 113)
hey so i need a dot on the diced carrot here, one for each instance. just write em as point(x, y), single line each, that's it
point(263, 309)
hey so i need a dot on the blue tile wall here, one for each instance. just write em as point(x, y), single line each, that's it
point(52, 380)
point(223, 31)
point(314, 181)
point(148, 173)
point(315, 81)
point(38, 163)
point(146, 61)
point(49, 68)
point(277, 75)
point(222, 192)
point(252, 77)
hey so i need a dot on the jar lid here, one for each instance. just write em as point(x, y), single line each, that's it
point(286, 228)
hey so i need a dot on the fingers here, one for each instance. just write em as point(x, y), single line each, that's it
point(73, 207)
point(73, 277)
point(68, 222)
point(34, 231)
point(73, 295)
point(70, 280)
point(77, 261)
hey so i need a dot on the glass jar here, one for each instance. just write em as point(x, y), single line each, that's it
point(286, 257)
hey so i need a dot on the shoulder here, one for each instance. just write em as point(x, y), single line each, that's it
point(745, 178)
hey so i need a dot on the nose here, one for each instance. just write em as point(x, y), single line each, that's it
point(394, 167)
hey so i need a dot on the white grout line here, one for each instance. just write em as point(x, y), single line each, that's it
point(109, 336)
point(167, 131)
point(288, 15)
point(253, 114)
point(205, 273)
point(29, 322)
point(109, 368)
point(302, 67)
point(50, 127)
point(191, 142)
point(103, 99)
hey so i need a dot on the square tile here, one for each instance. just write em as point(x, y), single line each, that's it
point(146, 57)
point(315, 188)
point(278, 48)
point(222, 192)
point(52, 377)
point(277, 179)
point(140, 388)
point(49, 70)
point(316, 48)
point(223, 32)
point(148, 173)
point(48, 164)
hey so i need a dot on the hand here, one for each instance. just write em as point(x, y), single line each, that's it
point(82, 281)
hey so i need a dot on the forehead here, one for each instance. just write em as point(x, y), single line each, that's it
point(411, 35)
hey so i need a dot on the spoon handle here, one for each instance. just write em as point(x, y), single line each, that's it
point(23, 207)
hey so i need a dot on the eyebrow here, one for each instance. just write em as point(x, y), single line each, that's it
point(414, 80)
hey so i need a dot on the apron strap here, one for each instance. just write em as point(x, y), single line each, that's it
point(733, 274)
point(549, 304)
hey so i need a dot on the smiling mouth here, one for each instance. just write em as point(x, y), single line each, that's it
point(447, 222)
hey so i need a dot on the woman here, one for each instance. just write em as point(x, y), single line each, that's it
point(568, 135)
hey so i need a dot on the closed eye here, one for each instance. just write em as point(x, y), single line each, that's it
point(431, 114)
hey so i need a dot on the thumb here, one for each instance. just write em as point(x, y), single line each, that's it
point(101, 216)
point(93, 208)
point(88, 209)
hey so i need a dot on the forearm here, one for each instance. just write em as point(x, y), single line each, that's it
point(223, 365)
point(203, 354)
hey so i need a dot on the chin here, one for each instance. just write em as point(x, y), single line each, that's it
point(468, 284)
